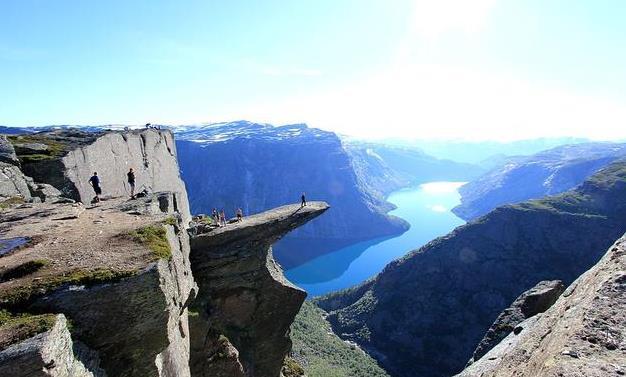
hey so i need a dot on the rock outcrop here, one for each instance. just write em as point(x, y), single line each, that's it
point(441, 299)
point(582, 334)
point(50, 354)
point(86, 261)
point(536, 300)
point(71, 156)
point(245, 306)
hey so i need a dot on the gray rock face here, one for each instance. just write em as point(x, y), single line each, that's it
point(243, 295)
point(532, 302)
point(151, 153)
point(7, 152)
point(13, 183)
point(50, 354)
point(582, 334)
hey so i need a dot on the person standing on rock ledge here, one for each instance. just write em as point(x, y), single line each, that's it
point(131, 182)
point(239, 214)
point(95, 183)
point(303, 197)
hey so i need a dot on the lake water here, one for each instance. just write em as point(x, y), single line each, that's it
point(426, 207)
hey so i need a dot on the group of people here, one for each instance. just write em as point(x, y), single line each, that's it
point(219, 217)
point(94, 181)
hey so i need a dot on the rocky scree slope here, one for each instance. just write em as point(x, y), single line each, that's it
point(256, 167)
point(120, 273)
point(582, 334)
point(546, 173)
point(440, 300)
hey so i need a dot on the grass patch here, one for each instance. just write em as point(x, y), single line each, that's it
point(155, 238)
point(15, 328)
point(171, 220)
point(23, 269)
point(55, 147)
point(19, 296)
point(12, 201)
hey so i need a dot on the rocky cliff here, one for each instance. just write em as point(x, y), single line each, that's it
point(582, 334)
point(244, 302)
point(440, 300)
point(106, 289)
point(258, 167)
point(67, 158)
point(546, 173)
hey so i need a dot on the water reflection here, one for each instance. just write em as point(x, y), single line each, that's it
point(426, 207)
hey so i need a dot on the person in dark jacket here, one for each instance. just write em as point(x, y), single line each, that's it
point(131, 182)
point(95, 183)
point(303, 197)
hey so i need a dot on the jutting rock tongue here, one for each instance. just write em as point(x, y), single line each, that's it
point(245, 305)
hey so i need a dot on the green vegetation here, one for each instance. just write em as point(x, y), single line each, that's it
point(171, 220)
point(155, 238)
point(322, 353)
point(291, 368)
point(55, 148)
point(17, 296)
point(15, 328)
point(12, 201)
point(23, 269)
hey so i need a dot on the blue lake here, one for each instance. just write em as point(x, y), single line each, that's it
point(426, 207)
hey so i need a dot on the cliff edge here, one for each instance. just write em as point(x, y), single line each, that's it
point(245, 305)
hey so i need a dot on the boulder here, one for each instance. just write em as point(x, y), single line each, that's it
point(534, 301)
point(7, 152)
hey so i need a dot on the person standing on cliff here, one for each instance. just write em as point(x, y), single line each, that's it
point(223, 218)
point(239, 214)
point(303, 197)
point(131, 182)
point(95, 183)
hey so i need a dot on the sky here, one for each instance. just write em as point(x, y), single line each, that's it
point(445, 69)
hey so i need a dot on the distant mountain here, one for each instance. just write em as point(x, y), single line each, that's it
point(408, 164)
point(475, 152)
point(546, 173)
point(425, 313)
point(258, 166)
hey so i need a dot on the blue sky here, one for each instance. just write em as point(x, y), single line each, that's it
point(481, 69)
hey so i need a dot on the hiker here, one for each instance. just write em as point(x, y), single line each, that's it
point(216, 218)
point(95, 183)
point(239, 214)
point(131, 182)
point(223, 217)
point(303, 197)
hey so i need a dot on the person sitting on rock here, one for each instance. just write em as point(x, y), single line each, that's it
point(131, 182)
point(303, 197)
point(95, 183)
point(239, 214)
